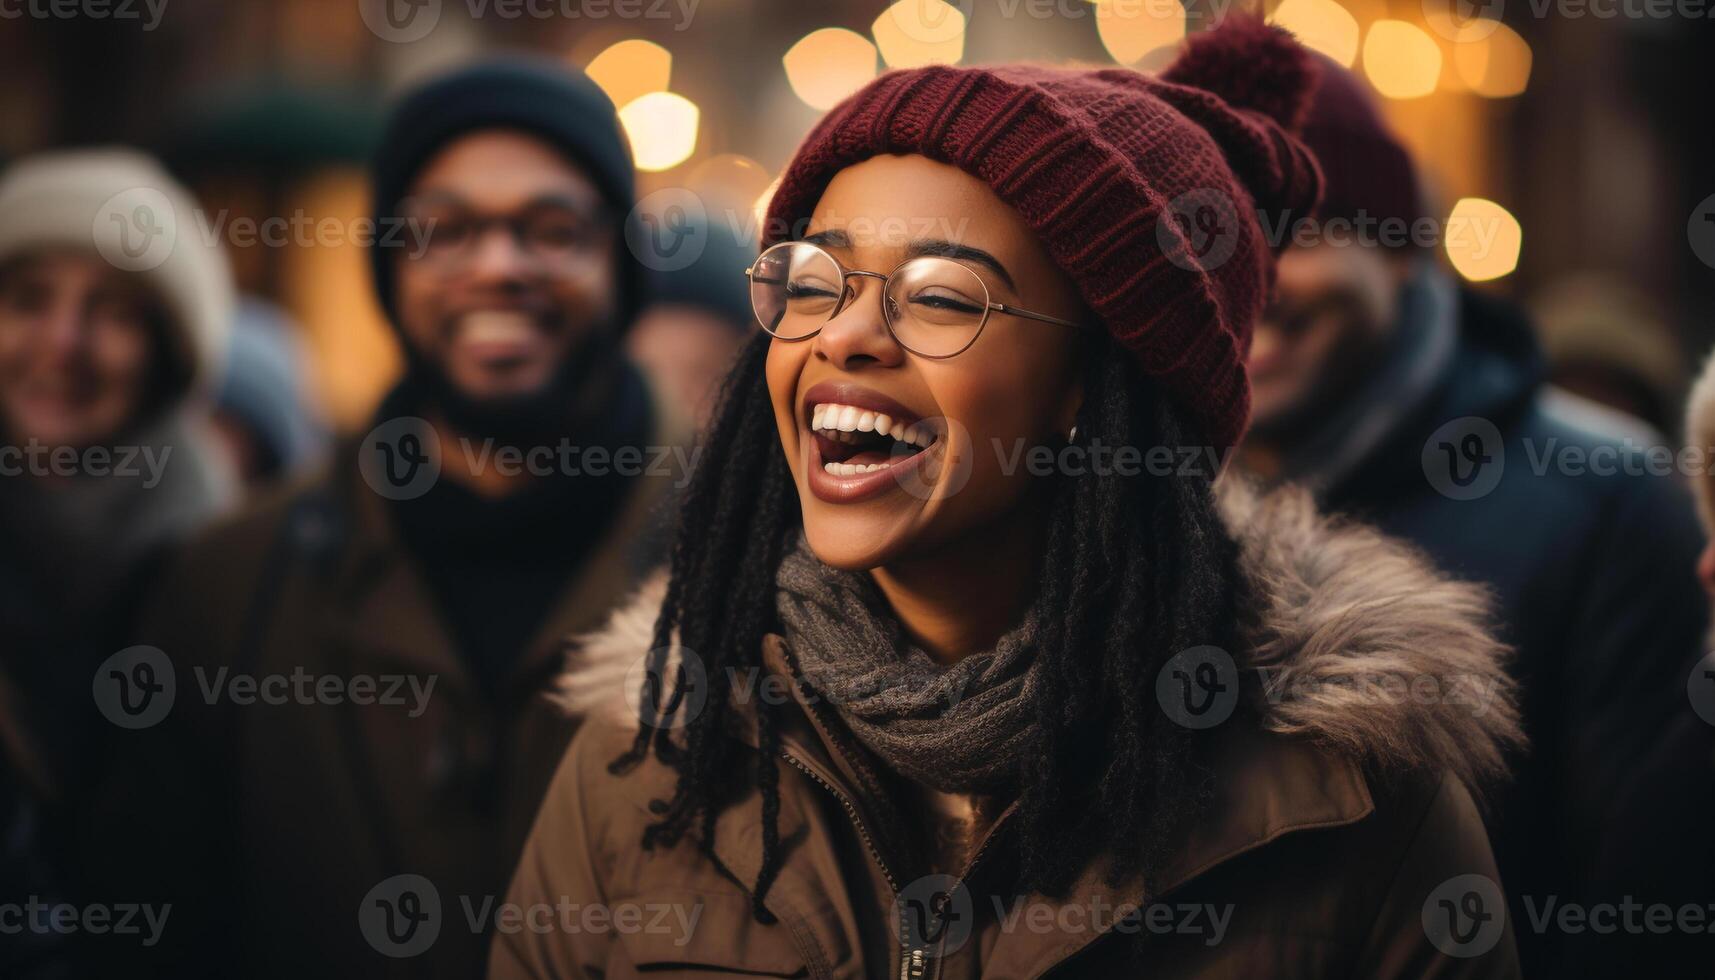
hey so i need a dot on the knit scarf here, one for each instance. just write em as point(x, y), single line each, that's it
point(955, 729)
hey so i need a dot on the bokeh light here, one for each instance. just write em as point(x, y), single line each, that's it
point(1483, 239)
point(1496, 64)
point(1401, 59)
point(1321, 25)
point(827, 65)
point(1132, 29)
point(631, 69)
point(662, 127)
point(913, 33)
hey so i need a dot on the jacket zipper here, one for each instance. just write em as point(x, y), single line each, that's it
point(914, 959)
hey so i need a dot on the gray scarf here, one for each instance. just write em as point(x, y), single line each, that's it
point(954, 729)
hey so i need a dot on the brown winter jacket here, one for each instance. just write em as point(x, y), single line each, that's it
point(1337, 844)
point(267, 825)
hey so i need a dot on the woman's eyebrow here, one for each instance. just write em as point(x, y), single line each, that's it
point(832, 238)
point(953, 250)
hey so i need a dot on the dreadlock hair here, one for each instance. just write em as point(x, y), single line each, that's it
point(1137, 568)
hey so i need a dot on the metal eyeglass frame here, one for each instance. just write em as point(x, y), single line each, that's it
point(847, 294)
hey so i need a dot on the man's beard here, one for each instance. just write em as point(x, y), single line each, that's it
point(560, 406)
point(1329, 391)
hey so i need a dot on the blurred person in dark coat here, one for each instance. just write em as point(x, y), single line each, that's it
point(1406, 401)
point(31, 859)
point(407, 609)
point(698, 316)
point(113, 317)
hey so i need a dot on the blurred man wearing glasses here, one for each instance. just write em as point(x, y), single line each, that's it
point(402, 614)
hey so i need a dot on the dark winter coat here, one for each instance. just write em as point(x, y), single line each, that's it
point(1594, 577)
point(278, 830)
point(1334, 847)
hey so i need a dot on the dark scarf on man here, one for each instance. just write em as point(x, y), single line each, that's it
point(959, 728)
point(497, 566)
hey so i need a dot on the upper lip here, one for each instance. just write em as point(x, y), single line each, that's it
point(857, 396)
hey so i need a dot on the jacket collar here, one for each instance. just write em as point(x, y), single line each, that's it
point(1336, 604)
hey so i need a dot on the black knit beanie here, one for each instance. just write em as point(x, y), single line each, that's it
point(547, 100)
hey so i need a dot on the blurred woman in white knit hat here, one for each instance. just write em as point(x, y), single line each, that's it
point(113, 311)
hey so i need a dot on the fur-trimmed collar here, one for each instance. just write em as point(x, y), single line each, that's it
point(1361, 646)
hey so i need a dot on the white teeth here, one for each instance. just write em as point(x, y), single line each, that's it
point(828, 417)
point(853, 469)
point(496, 326)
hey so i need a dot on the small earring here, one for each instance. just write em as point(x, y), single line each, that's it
point(1073, 435)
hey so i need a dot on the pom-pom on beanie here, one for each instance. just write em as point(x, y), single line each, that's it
point(1145, 189)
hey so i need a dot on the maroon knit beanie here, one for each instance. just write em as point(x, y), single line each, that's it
point(1144, 189)
point(1367, 174)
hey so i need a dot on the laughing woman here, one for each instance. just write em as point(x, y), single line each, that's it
point(970, 666)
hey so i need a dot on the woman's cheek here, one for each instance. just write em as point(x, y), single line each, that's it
point(782, 368)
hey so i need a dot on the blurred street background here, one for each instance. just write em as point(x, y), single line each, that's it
point(1580, 128)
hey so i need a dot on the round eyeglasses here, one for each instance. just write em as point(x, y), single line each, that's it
point(934, 306)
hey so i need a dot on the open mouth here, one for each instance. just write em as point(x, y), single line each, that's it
point(852, 441)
